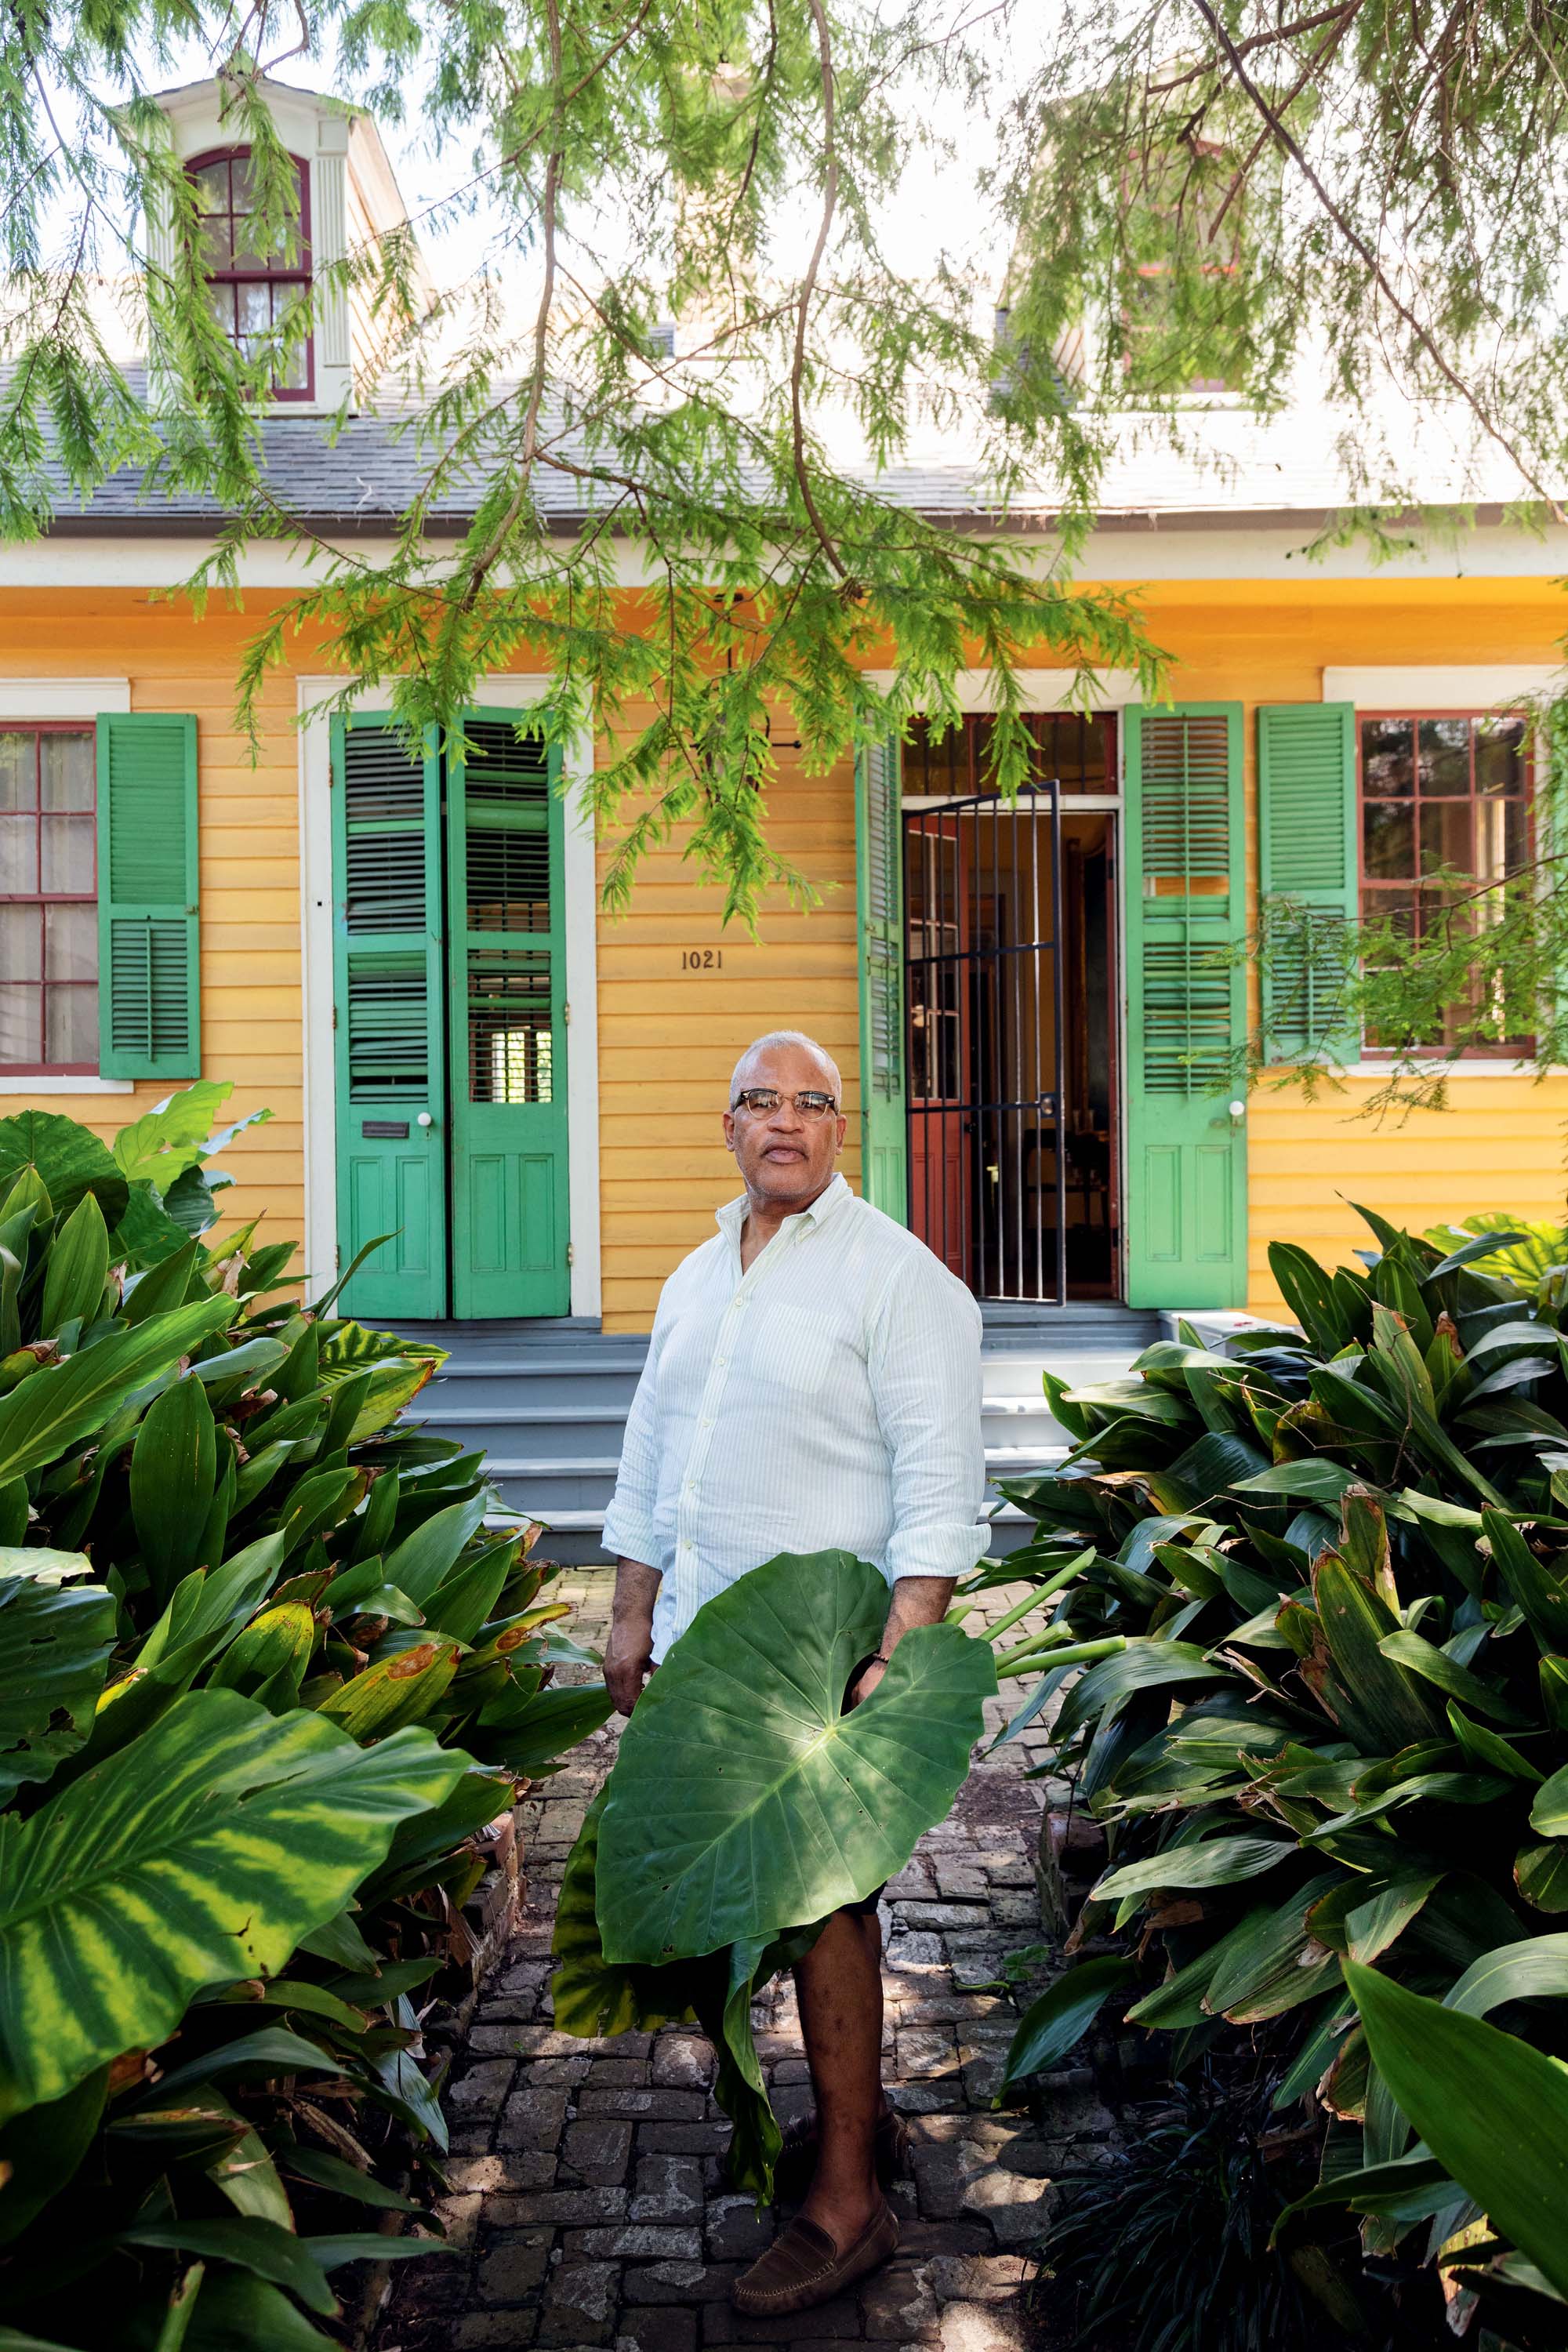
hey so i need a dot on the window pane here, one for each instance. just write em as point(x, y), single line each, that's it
point(212, 187)
point(70, 1025)
point(221, 300)
point(1445, 837)
point(1499, 755)
point(21, 943)
point(217, 242)
point(69, 854)
point(1387, 757)
point(1394, 907)
point(240, 183)
point(253, 306)
point(66, 771)
point(1388, 833)
point(1502, 837)
point(18, 853)
point(21, 1025)
point(1444, 762)
point(19, 754)
point(70, 936)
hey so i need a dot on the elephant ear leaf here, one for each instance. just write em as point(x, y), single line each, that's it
point(202, 1851)
point(744, 1803)
point(62, 1158)
point(1492, 2109)
point(55, 1640)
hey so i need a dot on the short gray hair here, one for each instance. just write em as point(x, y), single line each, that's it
point(789, 1037)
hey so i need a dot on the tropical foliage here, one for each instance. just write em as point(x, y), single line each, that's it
point(1327, 1734)
point(264, 1674)
point(691, 1884)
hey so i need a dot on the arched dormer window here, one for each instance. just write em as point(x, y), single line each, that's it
point(251, 291)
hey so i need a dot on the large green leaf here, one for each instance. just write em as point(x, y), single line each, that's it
point(1533, 1969)
point(743, 1801)
point(68, 1158)
point(55, 1640)
point(1493, 2111)
point(169, 1138)
point(1217, 1862)
point(1063, 2014)
point(173, 1472)
point(75, 1270)
point(593, 1996)
point(68, 1401)
point(202, 1851)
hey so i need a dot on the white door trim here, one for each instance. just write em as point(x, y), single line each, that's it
point(507, 693)
point(1038, 689)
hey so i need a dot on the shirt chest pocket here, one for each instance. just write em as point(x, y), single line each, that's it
point(798, 1355)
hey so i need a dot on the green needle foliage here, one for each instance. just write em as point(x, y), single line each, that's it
point(1332, 1752)
point(264, 1674)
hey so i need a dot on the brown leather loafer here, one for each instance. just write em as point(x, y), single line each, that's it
point(797, 2158)
point(803, 2267)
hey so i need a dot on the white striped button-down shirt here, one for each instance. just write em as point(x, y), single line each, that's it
point(829, 1398)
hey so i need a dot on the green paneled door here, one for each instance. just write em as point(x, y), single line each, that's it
point(879, 917)
point(506, 982)
point(450, 1018)
point(387, 1014)
point(1186, 1008)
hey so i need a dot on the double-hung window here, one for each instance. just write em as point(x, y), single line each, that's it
point(251, 291)
point(49, 900)
point(1445, 804)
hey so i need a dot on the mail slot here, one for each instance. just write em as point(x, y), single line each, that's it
point(385, 1130)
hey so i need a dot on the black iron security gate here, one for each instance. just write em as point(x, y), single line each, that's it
point(986, 1041)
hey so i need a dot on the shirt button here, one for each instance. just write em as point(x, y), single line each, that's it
point(720, 1363)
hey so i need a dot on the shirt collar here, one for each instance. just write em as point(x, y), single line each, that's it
point(733, 1215)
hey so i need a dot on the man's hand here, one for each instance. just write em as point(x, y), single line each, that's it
point(865, 1682)
point(917, 1601)
point(628, 1652)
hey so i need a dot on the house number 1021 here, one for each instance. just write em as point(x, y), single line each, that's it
point(701, 959)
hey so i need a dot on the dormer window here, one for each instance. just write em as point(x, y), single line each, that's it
point(252, 291)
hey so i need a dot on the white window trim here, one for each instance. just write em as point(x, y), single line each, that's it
point(53, 1084)
point(580, 889)
point(25, 699)
point(39, 698)
point(1454, 686)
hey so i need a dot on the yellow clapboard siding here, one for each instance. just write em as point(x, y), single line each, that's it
point(669, 1037)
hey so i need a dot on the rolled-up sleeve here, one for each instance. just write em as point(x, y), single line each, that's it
point(923, 1359)
point(631, 1530)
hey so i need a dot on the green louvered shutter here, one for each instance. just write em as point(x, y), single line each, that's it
point(387, 1017)
point(1186, 1007)
point(149, 935)
point(1307, 871)
point(879, 918)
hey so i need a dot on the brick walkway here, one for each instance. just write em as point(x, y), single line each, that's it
point(587, 2185)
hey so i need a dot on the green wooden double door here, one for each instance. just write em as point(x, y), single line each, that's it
point(449, 1022)
point(1185, 954)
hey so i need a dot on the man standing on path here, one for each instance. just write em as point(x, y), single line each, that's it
point(813, 1384)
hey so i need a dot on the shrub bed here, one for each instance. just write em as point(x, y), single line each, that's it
point(1320, 1586)
point(266, 1673)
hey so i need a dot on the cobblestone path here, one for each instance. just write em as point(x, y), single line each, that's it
point(588, 2196)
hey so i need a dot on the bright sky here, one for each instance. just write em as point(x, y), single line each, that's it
point(939, 209)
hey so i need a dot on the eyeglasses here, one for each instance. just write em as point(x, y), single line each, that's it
point(763, 1101)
